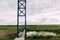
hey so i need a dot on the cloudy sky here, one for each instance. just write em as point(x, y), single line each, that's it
point(39, 12)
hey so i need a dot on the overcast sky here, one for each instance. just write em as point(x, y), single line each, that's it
point(39, 12)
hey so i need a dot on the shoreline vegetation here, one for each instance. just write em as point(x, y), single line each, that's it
point(8, 32)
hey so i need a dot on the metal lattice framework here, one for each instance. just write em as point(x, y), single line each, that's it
point(21, 12)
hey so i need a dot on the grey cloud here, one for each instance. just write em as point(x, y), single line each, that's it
point(42, 20)
point(8, 5)
point(2, 21)
point(47, 6)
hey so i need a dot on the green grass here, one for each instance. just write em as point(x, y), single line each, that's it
point(10, 27)
point(31, 27)
point(43, 27)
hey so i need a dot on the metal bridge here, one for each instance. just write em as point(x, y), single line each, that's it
point(21, 12)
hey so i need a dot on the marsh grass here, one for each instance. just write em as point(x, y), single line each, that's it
point(8, 32)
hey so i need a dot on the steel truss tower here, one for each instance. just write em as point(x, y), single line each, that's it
point(21, 12)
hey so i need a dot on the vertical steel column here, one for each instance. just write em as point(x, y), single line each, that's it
point(21, 12)
point(18, 19)
point(25, 20)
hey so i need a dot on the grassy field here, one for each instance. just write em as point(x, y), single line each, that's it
point(8, 32)
point(31, 27)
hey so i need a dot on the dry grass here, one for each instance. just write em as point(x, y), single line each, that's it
point(4, 33)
